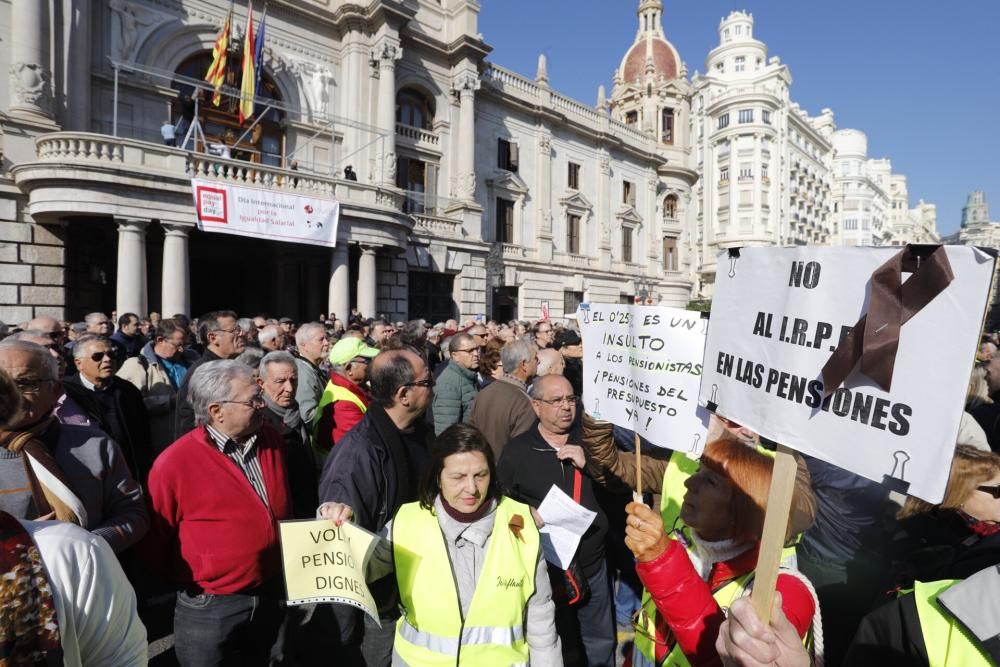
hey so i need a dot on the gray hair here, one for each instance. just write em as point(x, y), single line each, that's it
point(307, 330)
point(277, 357)
point(91, 318)
point(514, 352)
point(86, 341)
point(45, 361)
point(212, 383)
point(268, 333)
point(445, 345)
point(245, 323)
point(251, 356)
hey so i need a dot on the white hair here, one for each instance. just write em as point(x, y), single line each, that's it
point(306, 331)
point(212, 383)
point(268, 333)
point(277, 357)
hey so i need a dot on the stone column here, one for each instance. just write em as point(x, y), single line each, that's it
point(367, 281)
point(386, 55)
point(30, 72)
point(544, 206)
point(604, 209)
point(176, 283)
point(339, 300)
point(131, 285)
point(77, 35)
point(466, 88)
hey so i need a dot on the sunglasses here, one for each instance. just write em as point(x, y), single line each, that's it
point(992, 490)
point(429, 382)
point(97, 356)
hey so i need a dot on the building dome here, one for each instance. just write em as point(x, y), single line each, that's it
point(664, 61)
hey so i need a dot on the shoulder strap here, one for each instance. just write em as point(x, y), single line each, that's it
point(577, 485)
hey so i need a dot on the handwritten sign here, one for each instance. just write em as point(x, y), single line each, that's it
point(326, 563)
point(778, 314)
point(643, 367)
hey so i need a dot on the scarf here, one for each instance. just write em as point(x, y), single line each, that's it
point(50, 488)
point(290, 418)
point(29, 629)
point(707, 554)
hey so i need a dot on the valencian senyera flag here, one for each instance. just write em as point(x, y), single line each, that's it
point(248, 87)
point(216, 74)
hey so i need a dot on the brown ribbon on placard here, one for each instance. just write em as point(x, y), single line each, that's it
point(875, 338)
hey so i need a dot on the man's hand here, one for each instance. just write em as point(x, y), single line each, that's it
point(744, 641)
point(338, 513)
point(573, 453)
point(644, 534)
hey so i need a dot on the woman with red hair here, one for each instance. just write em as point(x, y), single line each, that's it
point(696, 573)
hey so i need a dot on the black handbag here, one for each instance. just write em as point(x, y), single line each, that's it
point(569, 586)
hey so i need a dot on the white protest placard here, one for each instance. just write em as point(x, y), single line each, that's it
point(778, 314)
point(267, 214)
point(326, 563)
point(642, 370)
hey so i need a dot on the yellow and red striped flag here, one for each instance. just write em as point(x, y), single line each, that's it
point(216, 74)
point(248, 87)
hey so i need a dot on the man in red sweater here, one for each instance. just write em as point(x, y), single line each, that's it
point(217, 494)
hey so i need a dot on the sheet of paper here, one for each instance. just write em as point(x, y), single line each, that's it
point(565, 523)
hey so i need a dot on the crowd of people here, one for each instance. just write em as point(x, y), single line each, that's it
point(144, 470)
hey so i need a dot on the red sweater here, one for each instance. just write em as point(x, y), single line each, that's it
point(210, 530)
point(339, 417)
point(685, 605)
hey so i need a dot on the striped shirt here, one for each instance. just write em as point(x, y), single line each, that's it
point(245, 458)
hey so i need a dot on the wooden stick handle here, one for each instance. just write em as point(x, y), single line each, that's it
point(779, 504)
point(638, 465)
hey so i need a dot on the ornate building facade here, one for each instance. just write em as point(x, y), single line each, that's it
point(479, 190)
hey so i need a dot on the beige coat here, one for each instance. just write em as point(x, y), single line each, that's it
point(158, 395)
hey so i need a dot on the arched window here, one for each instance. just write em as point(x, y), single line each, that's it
point(414, 109)
point(670, 207)
point(221, 124)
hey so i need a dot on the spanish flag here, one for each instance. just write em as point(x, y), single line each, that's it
point(248, 87)
point(216, 74)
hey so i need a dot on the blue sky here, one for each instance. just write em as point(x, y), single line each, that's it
point(920, 77)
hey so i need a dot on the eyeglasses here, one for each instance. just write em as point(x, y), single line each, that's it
point(255, 402)
point(31, 387)
point(467, 349)
point(567, 400)
point(429, 382)
point(97, 356)
point(236, 332)
point(992, 490)
point(359, 360)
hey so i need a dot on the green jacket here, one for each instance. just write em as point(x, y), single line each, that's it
point(454, 391)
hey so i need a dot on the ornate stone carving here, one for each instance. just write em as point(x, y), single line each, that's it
point(314, 80)
point(604, 163)
point(31, 85)
point(545, 144)
point(467, 185)
point(131, 24)
point(467, 82)
point(390, 167)
point(386, 54)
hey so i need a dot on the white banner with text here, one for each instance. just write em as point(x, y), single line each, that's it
point(266, 214)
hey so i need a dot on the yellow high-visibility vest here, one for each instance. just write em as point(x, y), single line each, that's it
point(331, 394)
point(431, 631)
point(948, 643)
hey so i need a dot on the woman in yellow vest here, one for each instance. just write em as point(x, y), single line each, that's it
point(948, 555)
point(473, 585)
point(694, 575)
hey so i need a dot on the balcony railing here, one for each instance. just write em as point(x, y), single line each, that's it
point(418, 136)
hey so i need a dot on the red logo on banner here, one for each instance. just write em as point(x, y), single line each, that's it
point(212, 205)
point(309, 209)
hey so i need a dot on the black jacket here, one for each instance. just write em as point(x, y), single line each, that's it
point(120, 412)
point(184, 419)
point(528, 468)
point(300, 464)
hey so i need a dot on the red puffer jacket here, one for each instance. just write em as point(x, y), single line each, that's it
point(686, 608)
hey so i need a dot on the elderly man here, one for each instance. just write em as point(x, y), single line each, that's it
point(271, 338)
point(312, 346)
point(344, 401)
point(550, 362)
point(115, 405)
point(532, 463)
point(381, 332)
point(542, 334)
point(128, 336)
point(217, 495)
point(50, 327)
point(157, 373)
point(73, 473)
point(503, 409)
point(570, 346)
point(456, 388)
point(223, 339)
point(480, 334)
point(374, 470)
point(277, 376)
point(287, 326)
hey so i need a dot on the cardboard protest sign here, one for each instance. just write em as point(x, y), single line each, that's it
point(784, 347)
point(642, 370)
point(326, 563)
